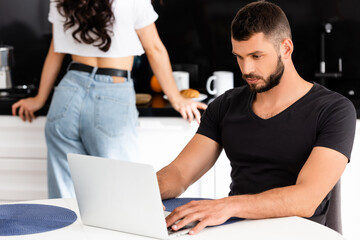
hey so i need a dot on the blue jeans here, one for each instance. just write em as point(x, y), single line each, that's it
point(89, 114)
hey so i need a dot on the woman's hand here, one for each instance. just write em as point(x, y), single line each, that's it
point(160, 64)
point(27, 107)
point(187, 108)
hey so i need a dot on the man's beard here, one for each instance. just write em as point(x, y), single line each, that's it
point(272, 81)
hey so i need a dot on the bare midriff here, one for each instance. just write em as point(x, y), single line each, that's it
point(123, 63)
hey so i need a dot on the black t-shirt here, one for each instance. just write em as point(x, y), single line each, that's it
point(269, 153)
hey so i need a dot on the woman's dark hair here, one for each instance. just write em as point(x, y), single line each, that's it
point(261, 17)
point(92, 21)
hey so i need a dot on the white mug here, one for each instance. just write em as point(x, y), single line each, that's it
point(223, 81)
point(182, 79)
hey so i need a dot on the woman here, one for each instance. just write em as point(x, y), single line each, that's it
point(93, 108)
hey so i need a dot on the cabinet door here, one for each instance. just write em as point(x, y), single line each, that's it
point(22, 159)
point(222, 176)
point(22, 179)
point(20, 139)
point(23, 154)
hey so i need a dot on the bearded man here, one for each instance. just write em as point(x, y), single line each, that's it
point(288, 140)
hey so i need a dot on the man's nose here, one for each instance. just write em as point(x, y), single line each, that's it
point(246, 67)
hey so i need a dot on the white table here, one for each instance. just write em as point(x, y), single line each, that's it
point(278, 228)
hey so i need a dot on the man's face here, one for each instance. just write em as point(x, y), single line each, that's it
point(259, 62)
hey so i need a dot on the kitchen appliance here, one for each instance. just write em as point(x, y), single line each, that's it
point(6, 66)
point(323, 75)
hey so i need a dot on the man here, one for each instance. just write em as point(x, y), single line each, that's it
point(288, 140)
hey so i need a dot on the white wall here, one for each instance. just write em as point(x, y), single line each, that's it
point(350, 192)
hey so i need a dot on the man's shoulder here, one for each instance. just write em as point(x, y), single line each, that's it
point(238, 92)
point(329, 103)
point(234, 97)
point(238, 95)
point(327, 97)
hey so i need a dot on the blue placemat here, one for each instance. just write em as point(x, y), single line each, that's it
point(171, 204)
point(21, 219)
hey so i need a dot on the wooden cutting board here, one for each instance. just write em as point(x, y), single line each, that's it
point(143, 98)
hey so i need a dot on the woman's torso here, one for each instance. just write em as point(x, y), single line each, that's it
point(124, 63)
point(125, 44)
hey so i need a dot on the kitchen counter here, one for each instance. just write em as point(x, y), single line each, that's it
point(157, 107)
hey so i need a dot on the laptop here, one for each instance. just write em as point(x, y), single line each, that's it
point(120, 195)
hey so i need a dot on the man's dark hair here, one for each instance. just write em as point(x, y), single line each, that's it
point(261, 17)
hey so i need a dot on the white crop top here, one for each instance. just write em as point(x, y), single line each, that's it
point(129, 16)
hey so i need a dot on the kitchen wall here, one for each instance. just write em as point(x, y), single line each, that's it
point(24, 25)
point(198, 32)
point(197, 36)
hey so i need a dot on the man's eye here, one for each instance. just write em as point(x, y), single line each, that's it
point(256, 56)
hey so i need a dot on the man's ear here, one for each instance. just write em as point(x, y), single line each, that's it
point(286, 48)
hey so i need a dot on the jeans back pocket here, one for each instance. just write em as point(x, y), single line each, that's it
point(60, 102)
point(111, 115)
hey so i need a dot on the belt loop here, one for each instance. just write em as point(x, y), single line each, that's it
point(68, 67)
point(93, 73)
point(129, 76)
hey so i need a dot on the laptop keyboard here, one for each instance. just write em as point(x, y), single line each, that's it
point(183, 231)
point(180, 232)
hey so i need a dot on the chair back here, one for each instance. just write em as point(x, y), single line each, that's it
point(333, 219)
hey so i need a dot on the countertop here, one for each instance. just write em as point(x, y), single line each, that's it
point(157, 107)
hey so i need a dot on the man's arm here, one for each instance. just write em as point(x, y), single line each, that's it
point(199, 155)
point(317, 177)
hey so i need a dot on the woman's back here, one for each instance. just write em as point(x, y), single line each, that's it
point(124, 63)
point(128, 16)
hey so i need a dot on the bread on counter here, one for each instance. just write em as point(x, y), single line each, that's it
point(190, 93)
point(143, 98)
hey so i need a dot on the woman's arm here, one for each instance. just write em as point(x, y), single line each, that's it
point(160, 64)
point(50, 70)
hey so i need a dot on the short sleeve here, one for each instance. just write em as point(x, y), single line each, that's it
point(145, 14)
point(210, 121)
point(52, 10)
point(337, 127)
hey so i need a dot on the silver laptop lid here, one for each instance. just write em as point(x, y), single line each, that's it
point(118, 195)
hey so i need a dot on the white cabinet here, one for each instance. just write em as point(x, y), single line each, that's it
point(22, 159)
point(162, 139)
point(23, 154)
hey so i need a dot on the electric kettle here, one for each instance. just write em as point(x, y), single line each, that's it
point(6, 65)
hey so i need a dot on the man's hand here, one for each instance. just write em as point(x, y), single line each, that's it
point(205, 212)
